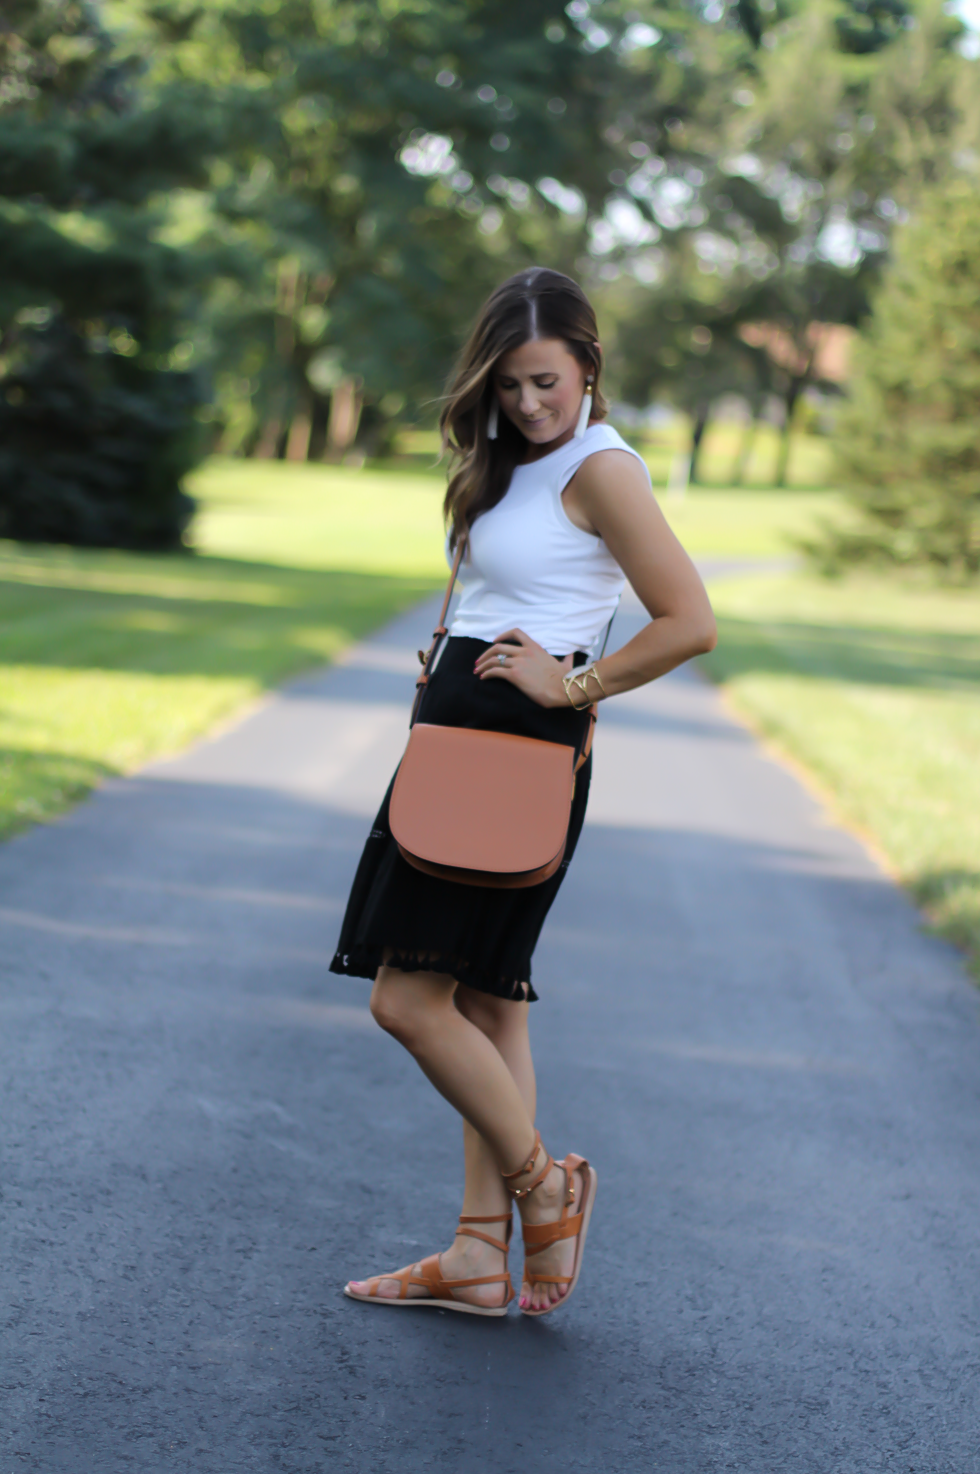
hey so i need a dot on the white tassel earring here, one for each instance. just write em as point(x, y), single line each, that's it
point(585, 412)
point(493, 419)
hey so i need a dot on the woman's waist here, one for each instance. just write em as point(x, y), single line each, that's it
point(457, 697)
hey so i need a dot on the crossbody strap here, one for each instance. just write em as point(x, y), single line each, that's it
point(427, 657)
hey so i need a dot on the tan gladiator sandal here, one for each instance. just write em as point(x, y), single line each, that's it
point(440, 1296)
point(541, 1236)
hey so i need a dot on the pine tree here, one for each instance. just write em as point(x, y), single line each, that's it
point(907, 443)
point(97, 413)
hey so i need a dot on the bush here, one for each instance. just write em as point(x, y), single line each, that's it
point(907, 442)
point(92, 449)
point(98, 417)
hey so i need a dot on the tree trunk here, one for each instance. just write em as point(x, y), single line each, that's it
point(298, 440)
point(785, 440)
point(697, 435)
point(318, 427)
point(267, 444)
point(345, 414)
point(746, 446)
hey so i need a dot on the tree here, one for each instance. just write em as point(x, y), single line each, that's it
point(399, 185)
point(804, 140)
point(97, 414)
point(680, 341)
point(907, 445)
point(856, 109)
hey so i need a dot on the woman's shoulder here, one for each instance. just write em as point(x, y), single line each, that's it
point(597, 438)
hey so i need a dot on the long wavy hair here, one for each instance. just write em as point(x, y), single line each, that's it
point(534, 304)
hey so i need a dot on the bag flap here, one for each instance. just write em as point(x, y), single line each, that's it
point(482, 800)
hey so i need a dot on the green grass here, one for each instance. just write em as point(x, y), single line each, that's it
point(108, 659)
point(747, 524)
point(874, 685)
point(375, 520)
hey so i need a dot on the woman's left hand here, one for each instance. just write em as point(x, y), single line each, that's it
point(527, 666)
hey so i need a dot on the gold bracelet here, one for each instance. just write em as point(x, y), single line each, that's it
point(595, 676)
point(579, 678)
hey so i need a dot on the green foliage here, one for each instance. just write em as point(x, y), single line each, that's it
point(97, 420)
point(774, 202)
point(93, 453)
point(397, 188)
point(870, 25)
point(254, 224)
point(907, 443)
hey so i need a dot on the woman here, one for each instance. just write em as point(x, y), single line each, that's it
point(557, 512)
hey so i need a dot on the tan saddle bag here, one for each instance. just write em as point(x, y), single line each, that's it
point(482, 808)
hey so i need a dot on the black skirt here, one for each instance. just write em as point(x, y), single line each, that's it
point(483, 937)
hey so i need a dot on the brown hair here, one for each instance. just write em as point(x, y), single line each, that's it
point(534, 304)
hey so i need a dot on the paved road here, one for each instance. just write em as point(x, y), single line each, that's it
point(776, 1073)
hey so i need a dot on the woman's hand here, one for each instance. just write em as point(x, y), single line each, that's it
point(527, 666)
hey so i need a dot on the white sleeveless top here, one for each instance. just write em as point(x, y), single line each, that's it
point(529, 566)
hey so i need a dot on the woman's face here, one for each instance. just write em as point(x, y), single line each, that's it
point(539, 387)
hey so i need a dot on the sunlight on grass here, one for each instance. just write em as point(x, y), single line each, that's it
point(747, 524)
point(875, 686)
point(108, 659)
point(313, 516)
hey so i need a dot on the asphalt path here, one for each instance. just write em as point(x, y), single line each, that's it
point(776, 1073)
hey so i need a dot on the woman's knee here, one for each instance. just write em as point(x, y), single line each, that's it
point(403, 1004)
point(388, 1006)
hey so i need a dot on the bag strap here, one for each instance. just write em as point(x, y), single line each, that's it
point(427, 657)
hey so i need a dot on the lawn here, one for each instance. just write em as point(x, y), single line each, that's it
point(375, 520)
point(108, 659)
point(874, 685)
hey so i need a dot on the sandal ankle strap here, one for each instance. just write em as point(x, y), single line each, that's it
point(474, 1233)
point(522, 1192)
point(507, 1176)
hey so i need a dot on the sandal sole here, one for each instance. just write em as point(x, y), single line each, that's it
point(579, 1252)
point(421, 1302)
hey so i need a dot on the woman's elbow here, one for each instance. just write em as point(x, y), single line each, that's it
point(707, 636)
point(702, 635)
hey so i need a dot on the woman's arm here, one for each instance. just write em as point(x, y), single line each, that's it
point(610, 497)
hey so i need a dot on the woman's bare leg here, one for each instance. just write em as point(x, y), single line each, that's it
point(467, 1067)
point(419, 1009)
point(505, 1025)
point(476, 1051)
